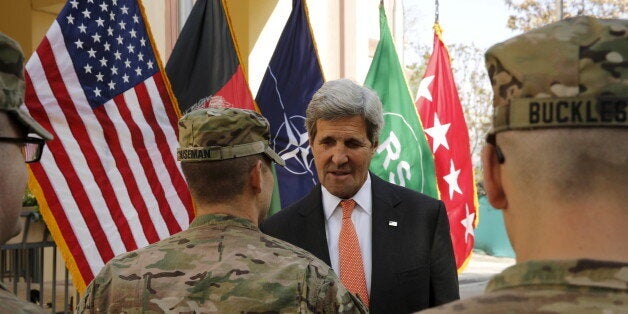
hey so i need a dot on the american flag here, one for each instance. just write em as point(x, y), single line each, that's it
point(109, 182)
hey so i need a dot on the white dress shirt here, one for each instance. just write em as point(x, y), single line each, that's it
point(362, 220)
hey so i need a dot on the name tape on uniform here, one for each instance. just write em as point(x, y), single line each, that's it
point(528, 113)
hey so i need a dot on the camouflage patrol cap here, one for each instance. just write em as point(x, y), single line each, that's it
point(570, 73)
point(12, 85)
point(223, 133)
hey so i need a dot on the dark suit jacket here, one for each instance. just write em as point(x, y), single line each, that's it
point(413, 263)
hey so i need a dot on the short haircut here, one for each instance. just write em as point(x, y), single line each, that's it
point(341, 99)
point(568, 164)
point(213, 182)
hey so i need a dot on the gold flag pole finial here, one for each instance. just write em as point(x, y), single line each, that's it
point(437, 29)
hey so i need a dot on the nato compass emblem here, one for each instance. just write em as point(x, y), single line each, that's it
point(297, 148)
point(291, 141)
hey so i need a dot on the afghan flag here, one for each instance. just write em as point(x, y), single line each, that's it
point(403, 156)
point(205, 60)
point(293, 75)
point(441, 113)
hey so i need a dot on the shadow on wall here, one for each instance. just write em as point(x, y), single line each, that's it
point(490, 234)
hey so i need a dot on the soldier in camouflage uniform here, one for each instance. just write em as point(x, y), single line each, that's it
point(222, 263)
point(557, 166)
point(15, 125)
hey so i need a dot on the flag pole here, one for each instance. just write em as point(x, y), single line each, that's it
point(436, 12)
point(437, 30)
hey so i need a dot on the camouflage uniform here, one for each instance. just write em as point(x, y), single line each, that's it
point(221, 264)
point(581, 286)
point(9, 303)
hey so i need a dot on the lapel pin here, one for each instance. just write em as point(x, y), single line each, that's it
point(392, 223)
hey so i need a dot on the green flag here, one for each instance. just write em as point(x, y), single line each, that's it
point(403, 156)
point(275, 201)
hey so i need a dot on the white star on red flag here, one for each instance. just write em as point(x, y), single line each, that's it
point(467, 222)
point(424, 88)
point(438, 132)
point(452, 180)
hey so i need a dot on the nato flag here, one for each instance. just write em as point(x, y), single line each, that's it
point(293, 76)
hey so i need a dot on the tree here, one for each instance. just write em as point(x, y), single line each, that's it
point(529, 14)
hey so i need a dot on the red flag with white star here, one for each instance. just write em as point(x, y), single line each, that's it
point(446, 130)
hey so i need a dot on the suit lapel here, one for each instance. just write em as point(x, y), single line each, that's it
point(314, 236)
point(384, 239)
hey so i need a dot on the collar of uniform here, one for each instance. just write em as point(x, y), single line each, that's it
point(222, 219)
point(362, 198)
point(581, 273)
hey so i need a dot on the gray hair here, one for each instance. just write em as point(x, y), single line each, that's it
point(344, 98)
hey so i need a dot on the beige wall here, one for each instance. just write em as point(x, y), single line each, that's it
point(28, 21)
point(155, 11)
point(15, 21)
point(325, 21)
point(40, 22)
point(263, 47)
point(248, 18)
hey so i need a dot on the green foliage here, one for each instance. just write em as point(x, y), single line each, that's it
point(29, 199)
point(415, 71)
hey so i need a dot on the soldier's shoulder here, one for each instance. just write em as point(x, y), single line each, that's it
point(138, 258)
point(533, 300)
point(587, 274)
point(290, 253)
point(233, 245)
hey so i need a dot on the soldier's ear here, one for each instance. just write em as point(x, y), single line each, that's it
point(492, 178)
point(255, 177)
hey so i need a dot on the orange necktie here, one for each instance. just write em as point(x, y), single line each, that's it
point(351, 267)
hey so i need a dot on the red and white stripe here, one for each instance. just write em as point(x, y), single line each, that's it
point(109, 177)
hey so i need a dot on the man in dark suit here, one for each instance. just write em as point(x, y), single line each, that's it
point(390, 245)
